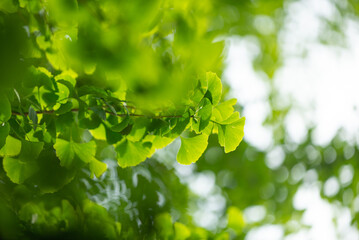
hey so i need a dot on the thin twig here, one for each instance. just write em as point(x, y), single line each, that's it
point(109, 112)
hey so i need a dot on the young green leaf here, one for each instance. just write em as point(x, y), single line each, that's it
point(11, 148)
point(52, 176)
point(203, 115)
point(18, 169)
point(214, 87)
point(67, 150)
point(131, 153)
point(64, 108)
point(138, 130)
point(192, 148)
point(230, 134)
point(223, 110)
point(120, 126)
point(97, 167)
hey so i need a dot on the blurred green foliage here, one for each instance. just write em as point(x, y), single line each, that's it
point(90, 89)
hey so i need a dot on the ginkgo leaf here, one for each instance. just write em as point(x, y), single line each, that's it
point(214, 87)
point(231, 134)
point(203, 115)
point(52, 176)
point(223, 110)
point(5, 108)
point(138, 130)
point(67, 150)
point(11, 148)
point(158, 142)
point(192, 149)
point(18, 169)
point(97, 167)
point(85, 151)
point(131, 153)
point(64, 152)
point(120, 126)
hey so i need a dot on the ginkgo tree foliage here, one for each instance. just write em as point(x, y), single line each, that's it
point(91, 89)
point(84, 81)
point(93, 79)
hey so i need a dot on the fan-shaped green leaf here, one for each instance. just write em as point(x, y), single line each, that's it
point(119, 127)
point(18, 169)
point(11, 148)
point(52, 176)
point(97, 167)
point(230, 133)
point(131, 153)
point(214, 87)
point(67, 150)
point(192, 148)
point(203, 115)
point(224, 110)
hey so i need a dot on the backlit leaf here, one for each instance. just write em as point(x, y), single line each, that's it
point(192, 149)
point(230, 135)
point(97, 167)
point(214, 87)
point(18, 169)
point(11, 148)
point(67, 150)
point(131, 153)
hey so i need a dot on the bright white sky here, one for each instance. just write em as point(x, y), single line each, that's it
point(324, 87)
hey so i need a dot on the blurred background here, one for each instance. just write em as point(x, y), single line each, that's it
point(295, 175)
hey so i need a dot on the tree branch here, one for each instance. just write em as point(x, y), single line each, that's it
point(109, 112)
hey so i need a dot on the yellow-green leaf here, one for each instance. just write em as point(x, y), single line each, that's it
point(97, 167)
point(214, 87)
point(11, 148)
point(230, 135)
point(132, 153)
point(67, 150)
point(192, 149)
point(18, 169)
